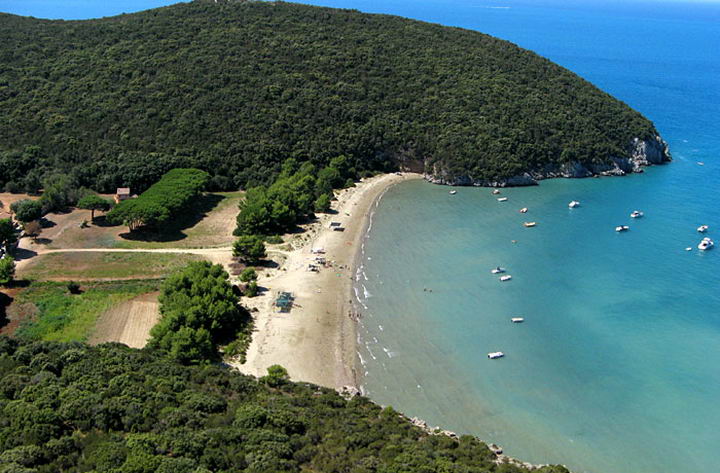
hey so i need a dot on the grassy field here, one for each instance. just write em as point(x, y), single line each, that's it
point(83, 266)
point(61, 316)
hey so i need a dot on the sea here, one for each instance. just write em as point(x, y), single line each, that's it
point(616, 368)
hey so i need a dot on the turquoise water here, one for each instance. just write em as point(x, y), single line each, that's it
point(617, 367)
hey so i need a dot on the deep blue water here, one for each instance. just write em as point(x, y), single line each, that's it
point(617, 367)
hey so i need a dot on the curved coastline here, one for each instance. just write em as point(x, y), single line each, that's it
point(317, 340)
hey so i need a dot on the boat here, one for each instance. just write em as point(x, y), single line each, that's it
point(530, 224)
point(495, 355)
point(622, 228)
point(497, 270)
point(706, 244)
point(496, 191)
point(637, 214)
point(702, 228)
point(574, 204)
point(507, 277)
point(517, 320)
point(453, 192)
point(523, 210)
point(502, 199)
point(689, 248)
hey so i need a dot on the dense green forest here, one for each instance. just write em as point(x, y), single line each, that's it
point(111, 409)
point(235, 88)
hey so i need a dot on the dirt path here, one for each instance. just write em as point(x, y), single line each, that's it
point(129, 322)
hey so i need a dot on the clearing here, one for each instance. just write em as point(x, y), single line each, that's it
point(128, 322)
point(208, 223)
point(83, 266)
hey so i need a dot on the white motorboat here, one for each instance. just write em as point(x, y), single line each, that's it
point(495, 355)
point(530, 224)
point(507, 277)
point(523, 210)
point(689, 248)
point(496, 191)
point(574, 204)
point(497, 270)
point(517, 320)
point(702, 228)
point(706, 244)
point(637, 214)
point(622, 228)
point(502, 199)
point(453, 192)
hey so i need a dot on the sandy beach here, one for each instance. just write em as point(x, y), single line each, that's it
point(316, 340)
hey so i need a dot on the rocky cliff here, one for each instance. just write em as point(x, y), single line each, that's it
point(641, 153)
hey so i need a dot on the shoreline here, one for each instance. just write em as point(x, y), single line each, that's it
point(317, 340)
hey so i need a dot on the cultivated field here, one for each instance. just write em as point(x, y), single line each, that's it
point(128, 322)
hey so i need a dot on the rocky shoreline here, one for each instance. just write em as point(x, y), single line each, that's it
point(500, 458)
point(642, 153)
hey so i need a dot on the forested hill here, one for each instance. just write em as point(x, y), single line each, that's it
point(235, 88)
point(112, 409)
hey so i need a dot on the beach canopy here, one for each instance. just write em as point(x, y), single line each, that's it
point(284, 301)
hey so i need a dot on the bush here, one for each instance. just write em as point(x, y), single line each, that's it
point(248, 275)
point(7, 269)
point(277, 376)
point(27, 210)
point(73, 287)
point(252, 289)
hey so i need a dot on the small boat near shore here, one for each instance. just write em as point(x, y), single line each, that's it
point(523, 210)
point(530, 224)
point(702, 228)
point(507, 277)
point(495, 355)
point(453, 192)
point(622, 228)
point(496, 191)
point(517, 320)
point(502, 199)
point(706, 244)
point(637, 214)
point(497, 270)
point(574, 204)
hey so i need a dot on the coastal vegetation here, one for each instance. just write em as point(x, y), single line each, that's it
point(235, 88)
point(162, 201)
point(199, 312)
point(74, 408)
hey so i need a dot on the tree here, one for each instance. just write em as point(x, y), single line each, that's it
point(7, 269)
point(322, 203)
point(199, 310)
point(248, 275)
point(93, 202)
point(59, 192)
point(27, 210)
point(249, 248)
point(32, 229)
point(8, 233)
point(277, 375)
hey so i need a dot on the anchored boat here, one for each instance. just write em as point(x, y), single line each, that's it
point(706, 244)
